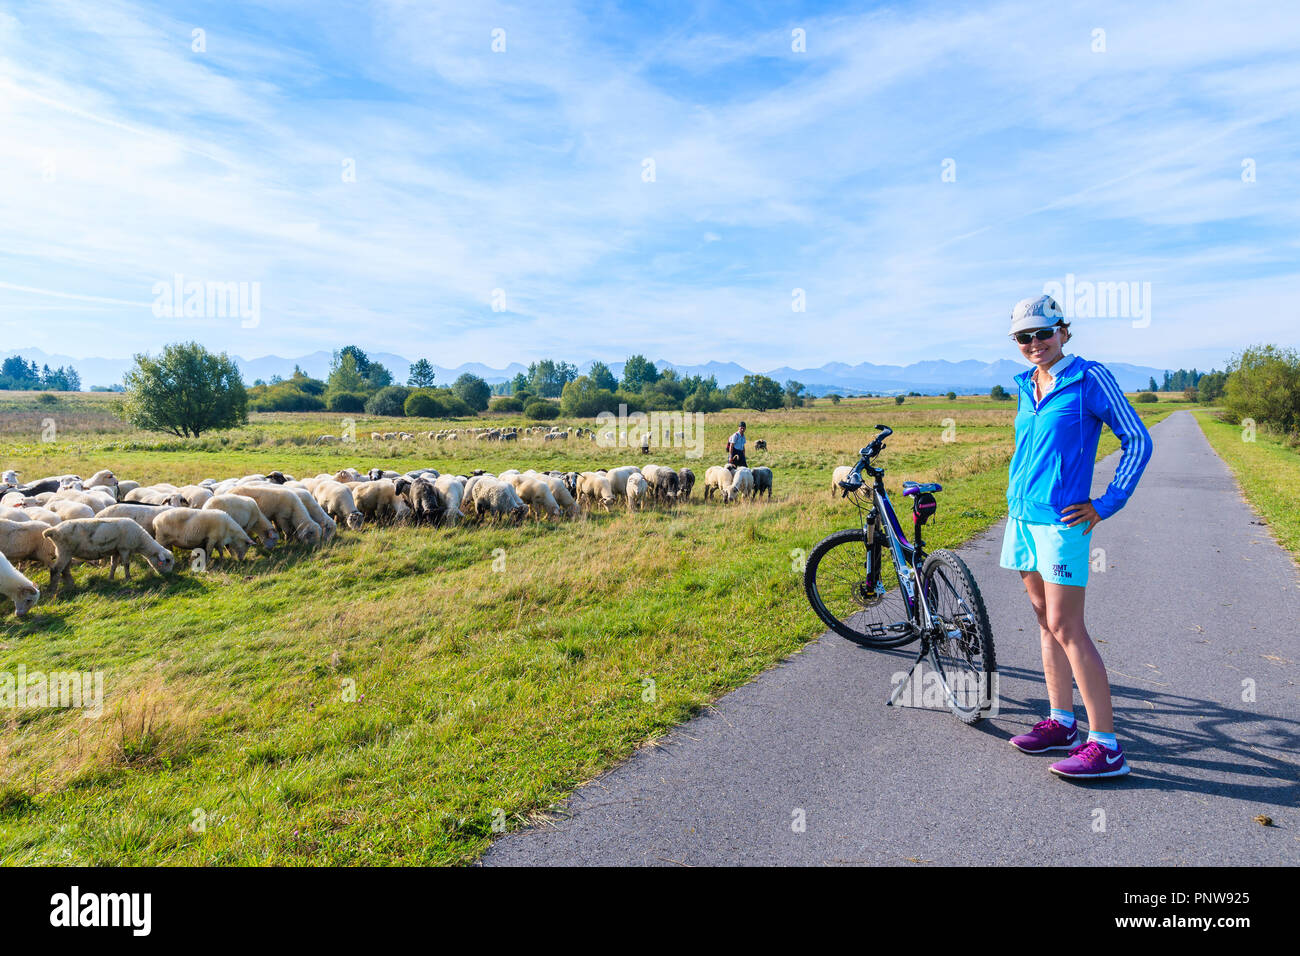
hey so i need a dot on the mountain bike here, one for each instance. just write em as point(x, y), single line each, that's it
point(874, 587)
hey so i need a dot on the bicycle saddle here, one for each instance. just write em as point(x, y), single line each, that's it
point(912, 488)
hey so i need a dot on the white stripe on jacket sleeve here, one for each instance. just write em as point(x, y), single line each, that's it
point(1133, 436)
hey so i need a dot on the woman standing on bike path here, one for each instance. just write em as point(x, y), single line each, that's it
point(1063, 402)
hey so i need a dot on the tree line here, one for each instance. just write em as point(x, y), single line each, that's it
point(17, 375)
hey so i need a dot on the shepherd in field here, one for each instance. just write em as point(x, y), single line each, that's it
point(736, 447)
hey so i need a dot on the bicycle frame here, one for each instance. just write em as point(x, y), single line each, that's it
point(908, 557)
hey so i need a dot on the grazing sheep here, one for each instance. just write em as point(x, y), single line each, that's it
point(285, 510)
point(96, 500)
point(452, 492)
point(717, 478)
point(663, 482)
point(742, 485)
point(762, 481)
point(67, 509)
point(26, 541)
point(155, 496)
point(760, 444)
point(348, 474)
point(537, 495)
point(839, 474)
point(427, 506)
point(327, 526)
point(594, 488)
point(126, 487)
point(337, 501)
point(561, 493)
point(618, 479)
point(378, 500)
point(208, 528)
point(17, 588)
point(247, 515)
point(91, 539)
point(685, 482)
point(637, 489)
point(196, 496)
point(494, 497)
point(143, 515)
point(104, 479)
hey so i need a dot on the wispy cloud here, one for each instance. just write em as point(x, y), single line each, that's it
point(632, 181)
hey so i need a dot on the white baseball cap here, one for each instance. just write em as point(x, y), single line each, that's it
point(1040, 312)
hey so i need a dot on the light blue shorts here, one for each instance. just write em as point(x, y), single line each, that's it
point(1058, 553)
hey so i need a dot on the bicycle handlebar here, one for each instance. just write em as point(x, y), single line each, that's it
point(865, 455)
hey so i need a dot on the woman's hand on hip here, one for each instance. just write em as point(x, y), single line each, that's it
point(1084, 511)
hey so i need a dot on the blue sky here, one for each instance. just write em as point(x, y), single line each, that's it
point(127, 157)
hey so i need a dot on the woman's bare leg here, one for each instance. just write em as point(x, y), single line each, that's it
point(1064, 607)
point(1056, 665)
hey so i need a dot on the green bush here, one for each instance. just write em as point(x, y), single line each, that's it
point(505, 403)
point(423, 404)
point(1264, 384)
point(952, 396)
point(898, 399)
point(542, 411)
point(283, 397)
point(390, 400)
point(1146, 398)
point(346, 402)
point(45, 398)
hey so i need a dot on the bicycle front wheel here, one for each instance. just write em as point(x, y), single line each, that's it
point(961, 645)
point(854, 590)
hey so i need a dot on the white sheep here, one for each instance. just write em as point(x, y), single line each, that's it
point(637, 490)
point(17, 588)
point(91, 539)
point(537, 495)
point(593, 489)
point(67, 509)
point(208, 528)
point(143, 515)
point(282, 508)
point(742, 485)
point(839, 474)
point(451, 489)
point(618, 479)
point(717, 478)
point(26, 541)
point(335, 498)
point(327, 526)
point(248, 516)
point(196, 496)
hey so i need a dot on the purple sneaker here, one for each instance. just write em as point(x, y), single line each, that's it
point(1091, 760)
point(1047, 735)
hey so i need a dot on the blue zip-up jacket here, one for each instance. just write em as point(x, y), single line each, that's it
point(1056, 444)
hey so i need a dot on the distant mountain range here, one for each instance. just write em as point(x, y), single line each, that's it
point(936, 375)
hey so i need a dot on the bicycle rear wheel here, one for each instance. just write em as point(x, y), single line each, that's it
point(962, 650)
point(865, 607)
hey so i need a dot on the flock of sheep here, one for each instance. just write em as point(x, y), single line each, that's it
point(61, 519)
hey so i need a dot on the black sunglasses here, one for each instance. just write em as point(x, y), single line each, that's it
point(1024, 338)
